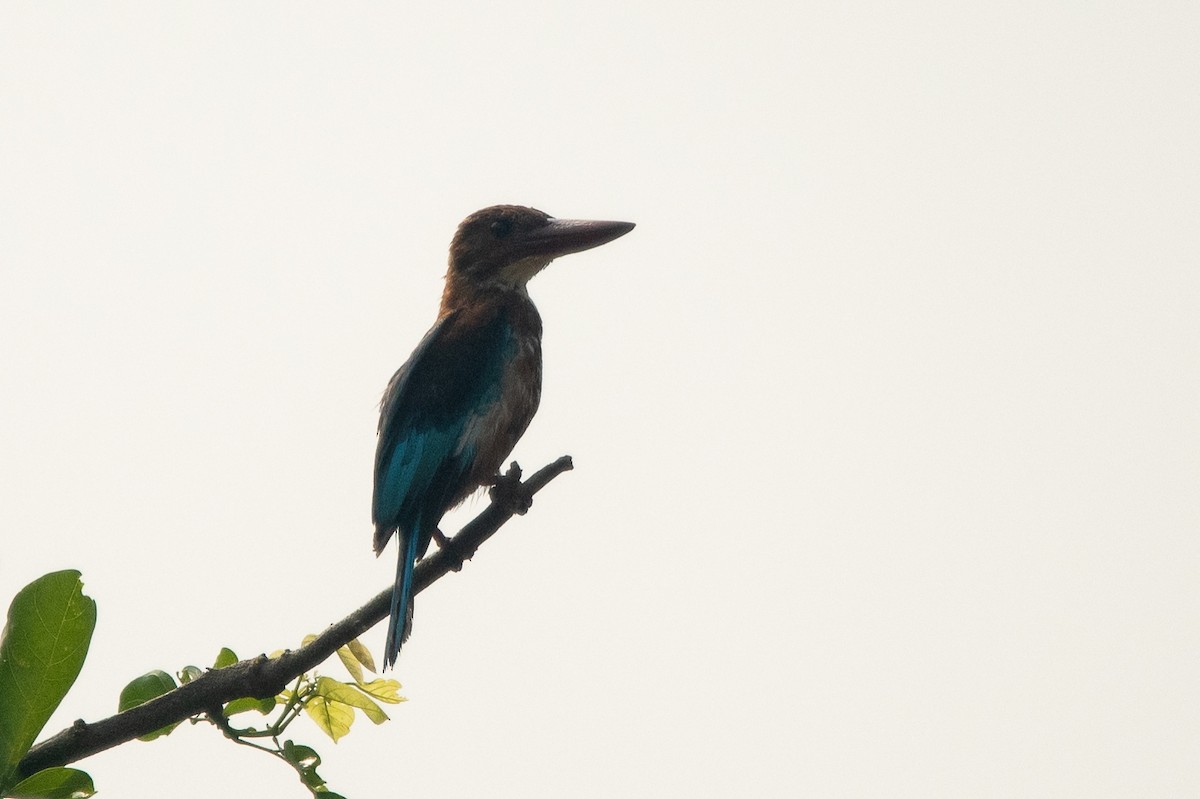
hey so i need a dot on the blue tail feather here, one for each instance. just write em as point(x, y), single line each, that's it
point(398, 623)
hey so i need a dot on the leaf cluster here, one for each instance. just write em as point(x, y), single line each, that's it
point(50, 625)
point(328, 702)
point(42, 650)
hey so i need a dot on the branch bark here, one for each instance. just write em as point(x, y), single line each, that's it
point(262, 677)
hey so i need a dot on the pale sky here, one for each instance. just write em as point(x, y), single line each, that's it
point(886, 418)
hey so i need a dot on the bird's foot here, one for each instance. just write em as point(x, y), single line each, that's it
point(447, 543)
point(508, 489)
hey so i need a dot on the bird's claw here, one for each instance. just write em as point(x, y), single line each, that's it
point(508, 489)
point(447, 543)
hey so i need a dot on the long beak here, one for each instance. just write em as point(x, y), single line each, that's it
point(564, 236)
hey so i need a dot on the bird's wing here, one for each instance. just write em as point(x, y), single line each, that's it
point(421, 458)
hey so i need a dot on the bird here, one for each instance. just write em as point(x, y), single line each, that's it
point(453, 412)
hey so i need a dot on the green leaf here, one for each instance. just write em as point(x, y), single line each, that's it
point(225, 657)
point(384, 690)
point(42, 649)
point(54, 783)
point(141, 690)
point(305, 759)
point(189, 673)
point(352, 665)
point(363, 655)
point(246, 704)
point(301, 756)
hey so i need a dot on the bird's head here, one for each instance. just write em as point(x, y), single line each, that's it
point(502, 247)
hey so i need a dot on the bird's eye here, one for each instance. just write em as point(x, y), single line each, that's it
point(501, 228)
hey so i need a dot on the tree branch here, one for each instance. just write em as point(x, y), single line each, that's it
point(262, 677)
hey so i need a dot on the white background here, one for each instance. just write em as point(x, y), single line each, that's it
point(886, 417)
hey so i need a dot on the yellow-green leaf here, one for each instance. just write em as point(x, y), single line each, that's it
point(336, 691)
point(350, 663)
point(384, 690)
point(333, 717)
point(363, 655)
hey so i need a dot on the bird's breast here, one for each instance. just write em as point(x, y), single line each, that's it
point(494, 430)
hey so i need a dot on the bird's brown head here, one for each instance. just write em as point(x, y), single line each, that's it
point(506, 245)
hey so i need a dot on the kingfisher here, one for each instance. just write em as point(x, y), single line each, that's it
point(456, 408)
